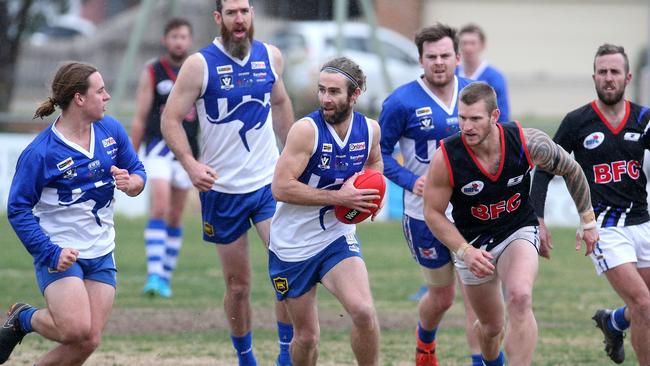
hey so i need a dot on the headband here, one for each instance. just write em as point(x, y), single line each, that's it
point(337, 70)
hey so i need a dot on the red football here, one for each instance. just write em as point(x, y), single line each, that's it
point(367, 179)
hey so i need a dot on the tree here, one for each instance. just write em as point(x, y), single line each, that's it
point(16, 17)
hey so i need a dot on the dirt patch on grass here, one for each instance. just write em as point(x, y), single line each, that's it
point(138, 321)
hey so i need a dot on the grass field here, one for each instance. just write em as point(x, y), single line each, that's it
point(190, 328)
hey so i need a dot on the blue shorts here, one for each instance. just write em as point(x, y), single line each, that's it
point(428, 251)
point(294, 279)
point(100, 269)
point(226, 217)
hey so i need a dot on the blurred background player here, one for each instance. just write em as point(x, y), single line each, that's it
point(484, 173)
point(236, 84)
point(608, 137)
point(418, 115)
point(472, 44)
point(61, 207)
point(168, 182)
point(324, 154)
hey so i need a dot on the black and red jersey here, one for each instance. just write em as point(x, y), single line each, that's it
point(612, 160)
point(163, 77)
point(488, 208)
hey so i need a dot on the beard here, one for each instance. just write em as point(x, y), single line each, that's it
point(611, 99)
point(341, 113)
point(237, 49)
point(177, 58)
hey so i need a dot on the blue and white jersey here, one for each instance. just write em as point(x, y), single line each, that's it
point(413, 116)
point(299, 232)
point(234, 109)
point(494, 78)
point(61, 195)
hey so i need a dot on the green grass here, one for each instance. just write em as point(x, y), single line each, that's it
point(566, 295)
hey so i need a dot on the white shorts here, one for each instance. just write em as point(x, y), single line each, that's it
point(619, 245)
point(528, 233)
point(167, 168)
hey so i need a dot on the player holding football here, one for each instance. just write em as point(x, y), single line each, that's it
point(324, 154)
point(484, 173)
point(609, 137)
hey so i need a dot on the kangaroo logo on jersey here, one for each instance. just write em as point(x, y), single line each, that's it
point(472, 188)
point(101, 193)
point(251, 112)
point(226, 82)
point(594, 140)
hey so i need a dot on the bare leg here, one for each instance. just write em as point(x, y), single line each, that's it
point(487, 301)
point(235, 265)
point(78, 331)
point(632, 284)
point(517, 268)
point(304, 314)
point(355, 297)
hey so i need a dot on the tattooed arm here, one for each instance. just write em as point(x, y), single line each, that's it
point(549, 156)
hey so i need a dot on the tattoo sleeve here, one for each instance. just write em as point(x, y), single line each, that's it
point(551, 157)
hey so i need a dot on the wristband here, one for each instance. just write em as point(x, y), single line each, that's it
point(460, 253)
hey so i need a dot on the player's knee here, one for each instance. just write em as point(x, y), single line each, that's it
point(89, 344)
point(238, 289)
point(493, 329)
point(75, 335)
point(439, 298)
point(305, 339)
point(519, 301)
point(641, 308)
point(364, 316)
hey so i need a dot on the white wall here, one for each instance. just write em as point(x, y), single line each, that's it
point(546, 48)
point(11, 145)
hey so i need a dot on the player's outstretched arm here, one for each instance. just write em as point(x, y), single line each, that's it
point(551, 157)
point(437, 193)
point(292, 162)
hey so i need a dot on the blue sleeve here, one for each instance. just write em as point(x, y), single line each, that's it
point(24, 194)
point(501, 88)
point(393, 123)
point(127, 158)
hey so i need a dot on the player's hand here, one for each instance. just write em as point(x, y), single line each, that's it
point(358, 199)
point(381, 206)
point(66, 259)
point(418, 187)
point(202, 176)
point(546, 242)
point(479, 262)
point(122, 178)
point(589, 236)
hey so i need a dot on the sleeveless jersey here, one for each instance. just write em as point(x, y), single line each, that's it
point(612, 160)
point(488, 208)
point(234, 110)
point(163, 76)
point(494, 78)
point(299, 232)
point(413, 116)
point(62, 195)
